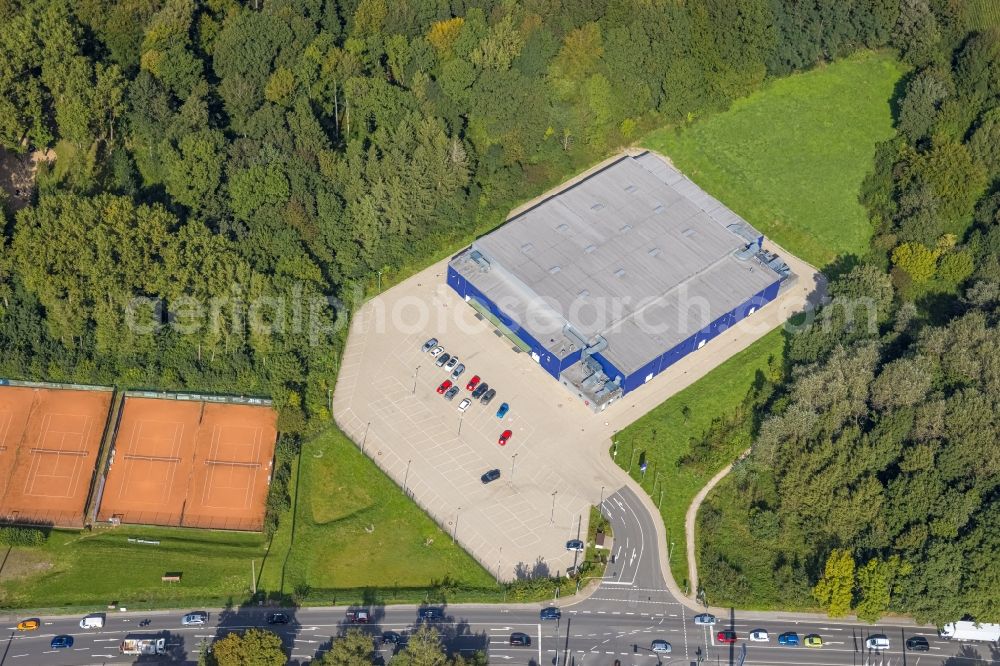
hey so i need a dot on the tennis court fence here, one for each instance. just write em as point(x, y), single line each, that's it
point(172, 519)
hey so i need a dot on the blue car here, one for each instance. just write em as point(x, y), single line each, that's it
point(60, 642)
point(550, 613)
point(502, 412)
point(788, 638)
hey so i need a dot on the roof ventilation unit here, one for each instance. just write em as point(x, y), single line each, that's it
point(620, 272)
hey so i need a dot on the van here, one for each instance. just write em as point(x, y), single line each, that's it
point(95, 621)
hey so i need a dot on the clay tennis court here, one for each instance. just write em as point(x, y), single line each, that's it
point(49, 441)
point(190, 463)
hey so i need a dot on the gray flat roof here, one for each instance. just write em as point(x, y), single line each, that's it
point(636, 253)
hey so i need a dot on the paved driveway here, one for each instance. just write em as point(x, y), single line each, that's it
point(555, 465)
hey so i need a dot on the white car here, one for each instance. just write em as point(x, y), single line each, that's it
point(706, 619)
point(879, 642)
point(195, 619)
point(464, 405)
point(759, 636)
point(450, 365)
point(437, 351)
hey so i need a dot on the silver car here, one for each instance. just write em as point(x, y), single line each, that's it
point(451, 393)
point(705, 618)
point(459, 369)
point(195, 619)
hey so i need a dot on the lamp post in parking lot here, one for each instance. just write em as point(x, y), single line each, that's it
point(415, 373)
point(552, 516)
point(512, 461)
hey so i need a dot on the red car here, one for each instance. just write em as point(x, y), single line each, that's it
point(726, 636)
point(445, 385)
point(504, 436)
point(473, 383)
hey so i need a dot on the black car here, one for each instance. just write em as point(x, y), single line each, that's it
point(488, 396)
point(491, 475)
point(550, 613)
point(431, 614)
point(277, 618)
point(442, 359)
point(480, 390)
point(518, 638)
point(391, 637)
point(917, 644)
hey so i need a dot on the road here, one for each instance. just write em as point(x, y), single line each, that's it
point(619, 621)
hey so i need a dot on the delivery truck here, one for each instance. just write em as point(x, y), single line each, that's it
point(971, 631)
point(143, 646)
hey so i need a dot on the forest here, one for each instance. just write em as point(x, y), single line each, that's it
point(224, 180)
point(873, 485)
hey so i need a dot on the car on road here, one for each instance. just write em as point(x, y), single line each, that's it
point(877, 642)
point(550, 613)
point(488, 397)
point(457, 372)
point(451, 393)
point(480, 390)
point(813, 641)
point(726, 636)
point(575, 545)
point(660, 645)
point(391, 637)
point(452, 362)
point(520, 638)
point(472, 383)
point(29, 625)
point(491, 475)
point(464, 405)
point(277, 618)
point(705, 618)
point(445, 385)
point(61, 642)
point(442, 359)
point(195, 619)
point(788, 638)
point(759, 636)
point(504, 436)
point(430, 344)
point(437, 350)
point(502, 412)
point(917, 644)
point(358, 616)
point(431, 614)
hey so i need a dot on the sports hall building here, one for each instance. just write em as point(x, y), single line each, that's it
point(613, 279)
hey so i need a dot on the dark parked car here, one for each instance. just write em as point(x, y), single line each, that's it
point(277, 618)
point(917, 644)
point(431, 614)
point(442, 359)
point(519, 638)
point(451, 393)
point(391, 637)
point(480, 390)
point(491, 475)
point(575, 545)
point(488, 396)
point(550, 613)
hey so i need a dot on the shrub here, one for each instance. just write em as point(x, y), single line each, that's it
point(22, 536)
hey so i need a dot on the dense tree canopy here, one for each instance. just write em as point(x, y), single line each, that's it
point(214, 156)
point(877, 460)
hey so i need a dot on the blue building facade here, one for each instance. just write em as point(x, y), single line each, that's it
point(555, 365)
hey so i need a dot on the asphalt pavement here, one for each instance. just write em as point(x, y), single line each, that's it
point(629, 610)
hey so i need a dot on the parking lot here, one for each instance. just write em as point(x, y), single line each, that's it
point(554, 466)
